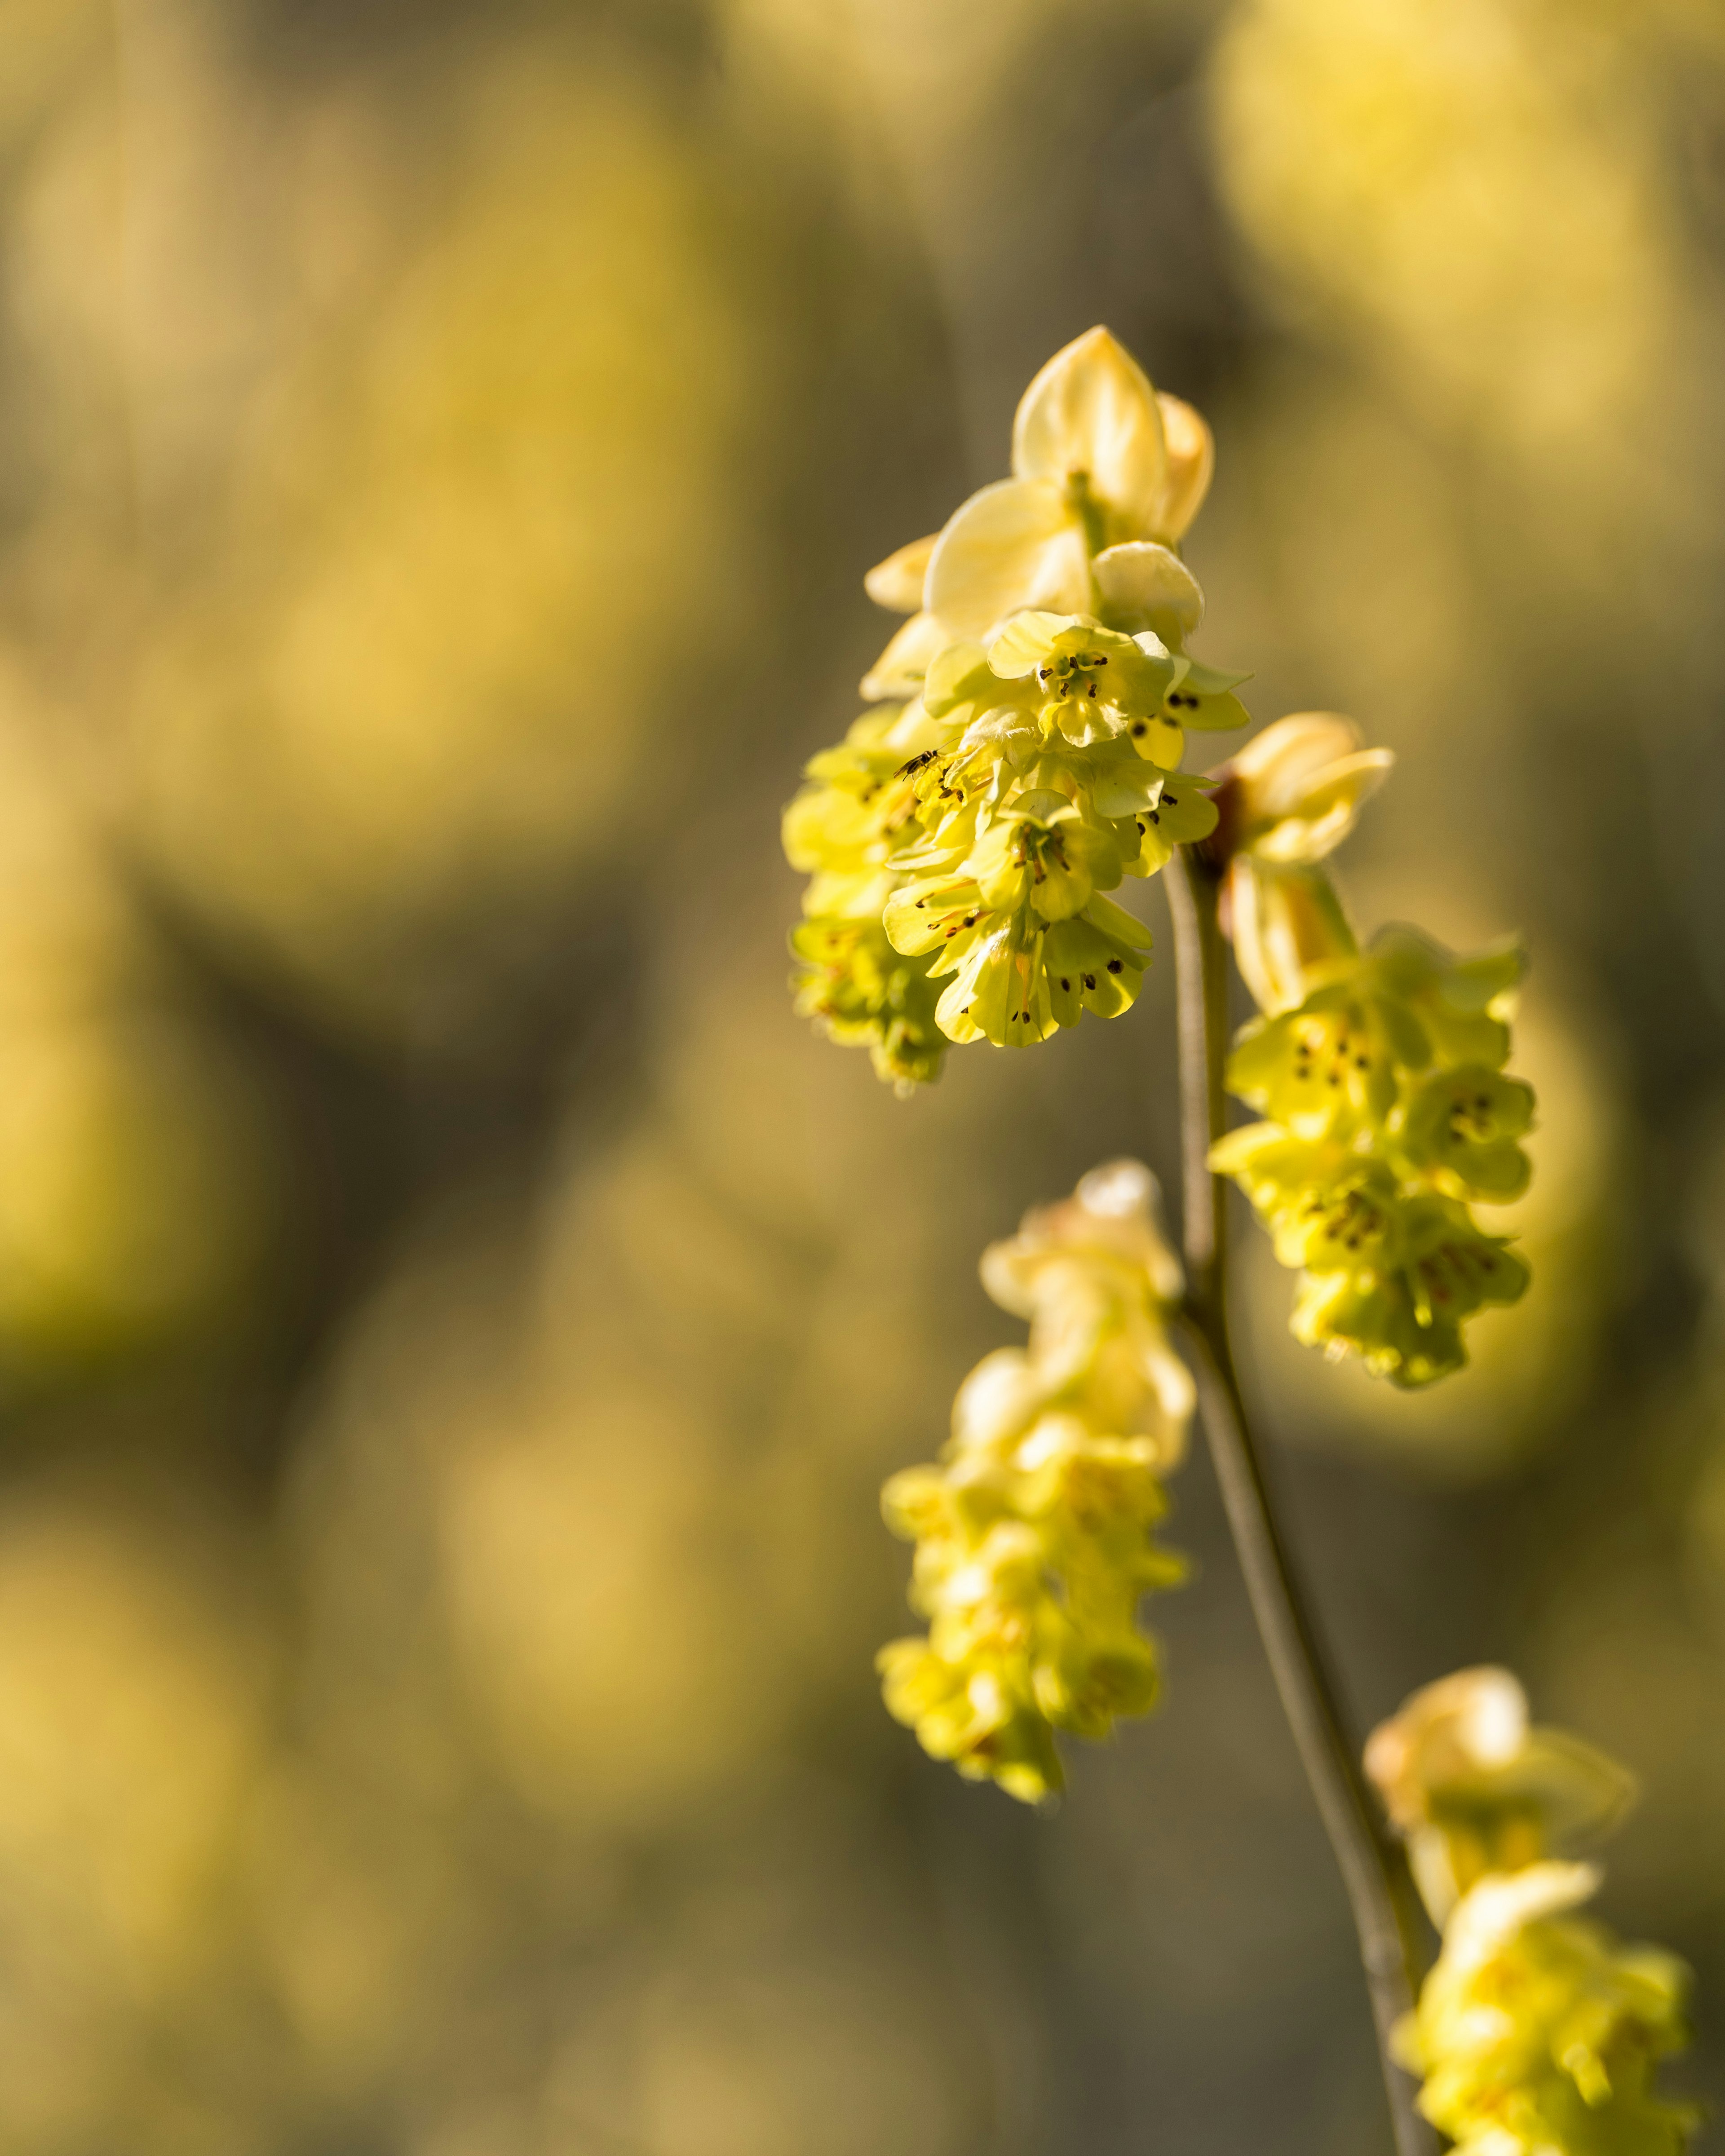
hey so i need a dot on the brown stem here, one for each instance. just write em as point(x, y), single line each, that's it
point(1373, 1868)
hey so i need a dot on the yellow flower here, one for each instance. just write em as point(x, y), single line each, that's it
point(1294, 792)
point(1474, 1790)
point(1538, 2035)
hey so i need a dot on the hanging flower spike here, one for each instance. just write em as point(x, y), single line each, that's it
point(1379, 1073)
point(1035, 1535)
point(1536, 2034)
point(1026, 755)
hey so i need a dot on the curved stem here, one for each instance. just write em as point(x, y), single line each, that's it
point(1373, 1868)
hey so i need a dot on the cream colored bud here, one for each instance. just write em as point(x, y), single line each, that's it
point(1092, 412)
point(1294, 791)
point(1115, 1215)
point(1474, 1790)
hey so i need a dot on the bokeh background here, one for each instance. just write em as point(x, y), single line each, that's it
point(453, 1318)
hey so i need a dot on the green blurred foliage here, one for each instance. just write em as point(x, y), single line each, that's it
point(454, 1319)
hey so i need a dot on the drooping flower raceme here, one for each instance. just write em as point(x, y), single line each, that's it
point(1536, 2034)
point(1025, 756)
point(1035, 1534)
point(1378, 1073)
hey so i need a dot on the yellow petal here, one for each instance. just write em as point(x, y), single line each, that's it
point(1144, 586)
point(896, 582)
point(1026, 641)
point(1191, 460)
point(1015, 544)
point(901, 667)
point(1091, 409)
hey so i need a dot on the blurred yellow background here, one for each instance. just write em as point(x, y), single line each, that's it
point(453, 1318)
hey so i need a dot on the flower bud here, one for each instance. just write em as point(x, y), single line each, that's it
point(1293, 793)
point(1474, 1790)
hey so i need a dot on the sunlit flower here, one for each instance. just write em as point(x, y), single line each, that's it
point(1473, 1788)
point(1088, 683)
point(1463, 1126)
point(1538, 2035)
point(1293, 793)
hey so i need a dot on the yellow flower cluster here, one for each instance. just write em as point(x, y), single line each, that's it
point(1024, 755)
point(1379, 1073)
point(1035, 1535)
point(1536, 2034)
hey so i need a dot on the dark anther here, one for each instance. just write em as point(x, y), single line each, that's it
point(1115, 966)
point(1139, 730)
point(1090, 980)
point(1065, 984)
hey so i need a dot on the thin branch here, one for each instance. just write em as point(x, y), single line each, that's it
point(1373, 1869)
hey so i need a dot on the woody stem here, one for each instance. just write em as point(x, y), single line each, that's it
point(1373, 1868)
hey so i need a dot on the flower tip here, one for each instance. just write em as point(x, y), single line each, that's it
point(1120, 1190)
point(896, 583)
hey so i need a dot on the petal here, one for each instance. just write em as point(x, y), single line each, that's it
point(1191, 460)
point(899, 669)
point(917, 918)
point(1015, 544)
point(1116, 921)
point(1144, 586)
point(1027, 640)
point(1125, 786)
point(1159, 741)
point(896, 582)
point(1213, 680)
point(1281, 925)
point(957, 674)
point(1091, 409)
